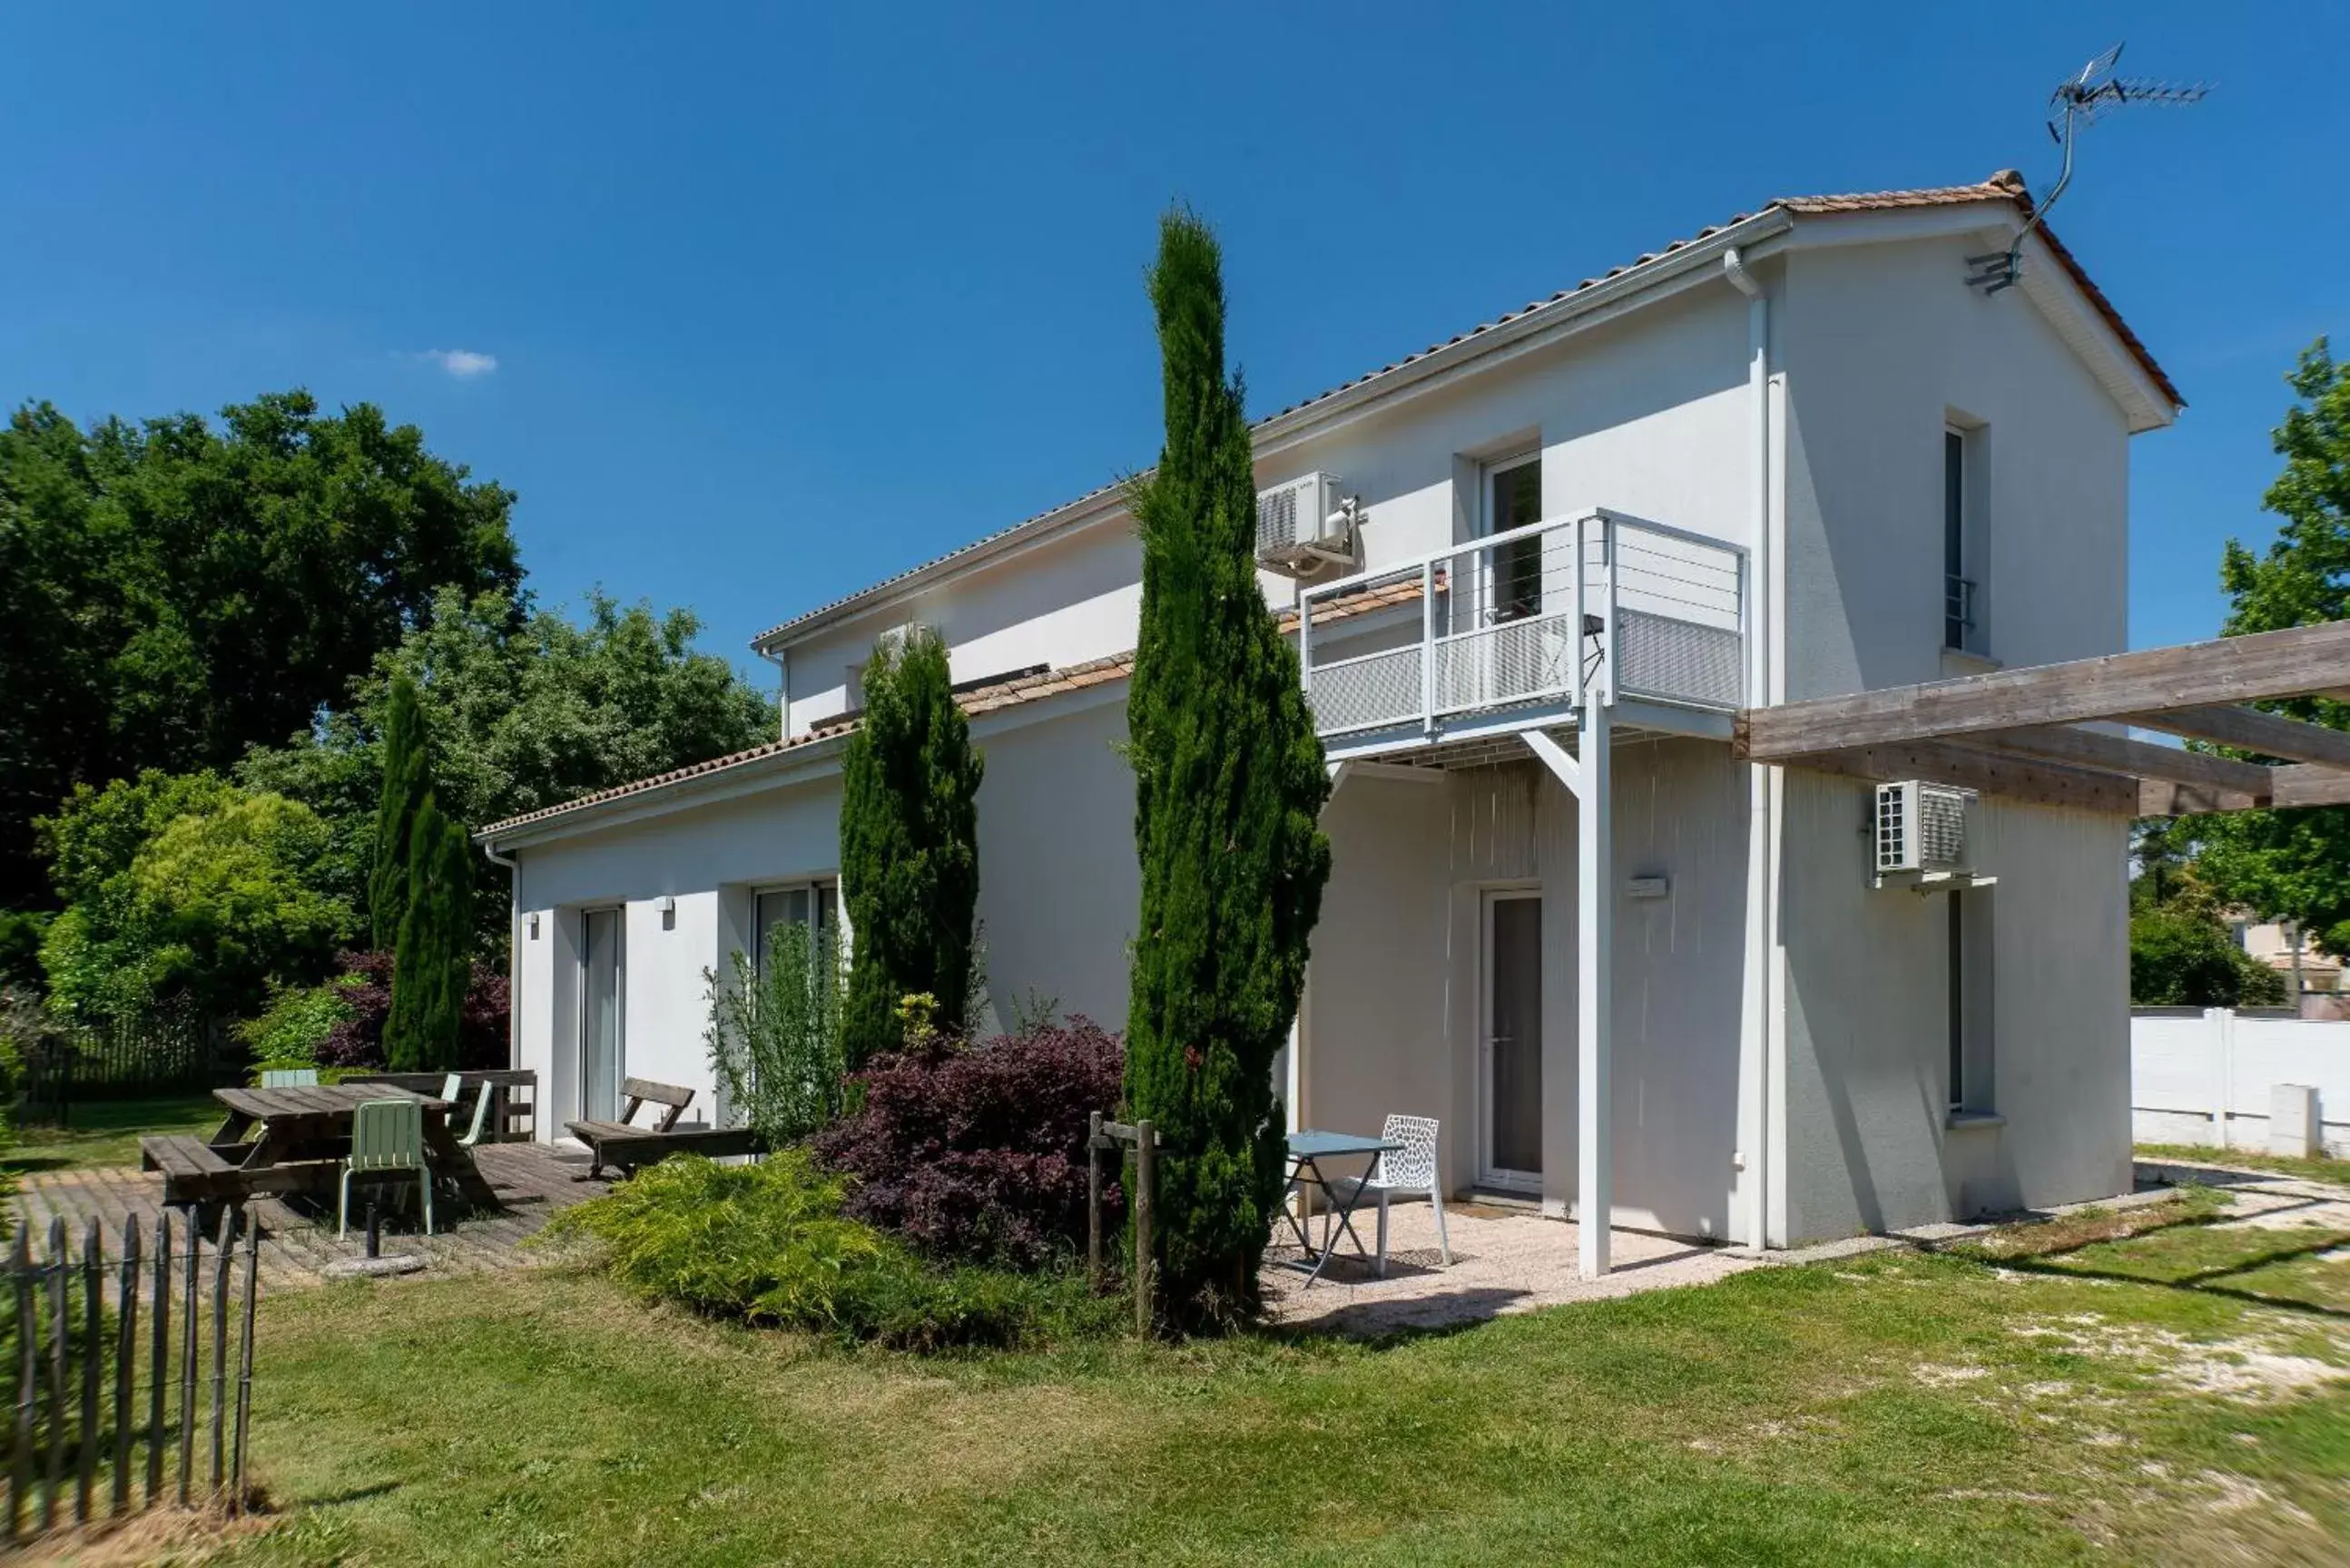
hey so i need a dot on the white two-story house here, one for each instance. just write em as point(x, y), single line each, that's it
point(1534, 573)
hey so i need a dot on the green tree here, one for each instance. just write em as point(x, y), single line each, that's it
point(1229, 782)
point(184, 885)
point(172, 593)
point(909, 847)
point(2183, 955)
point(432, 961)
point(2296, 863)
point(521, 715)
point(406, 786)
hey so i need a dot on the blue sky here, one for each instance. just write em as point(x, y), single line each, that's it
point(769, 304)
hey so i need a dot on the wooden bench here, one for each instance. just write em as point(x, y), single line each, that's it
point(624, 1146)
point(192, 1170)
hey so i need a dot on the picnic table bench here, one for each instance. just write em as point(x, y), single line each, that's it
point(302, 1134)
point(624, 1146)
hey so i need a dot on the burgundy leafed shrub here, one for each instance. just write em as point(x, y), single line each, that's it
point(979, 1152)
point(358, 1041)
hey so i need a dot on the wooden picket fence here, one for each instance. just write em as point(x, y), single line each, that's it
point(83, 1420)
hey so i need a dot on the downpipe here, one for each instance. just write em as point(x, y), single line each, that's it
point(1756, 1001)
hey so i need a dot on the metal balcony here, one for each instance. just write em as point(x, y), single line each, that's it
point(1517, 630)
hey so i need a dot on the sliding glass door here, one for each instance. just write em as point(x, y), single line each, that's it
point(601, 967)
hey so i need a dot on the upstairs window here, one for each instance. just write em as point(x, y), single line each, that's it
point(1513, 589)
point(1965, 555)
point(1958, 588)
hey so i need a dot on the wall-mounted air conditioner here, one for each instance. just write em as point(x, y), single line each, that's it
point(1919, 833)
point(1305, 526)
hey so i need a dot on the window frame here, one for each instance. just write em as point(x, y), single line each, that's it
point(823, 896)
point(1958, 616)
point(1522, 605)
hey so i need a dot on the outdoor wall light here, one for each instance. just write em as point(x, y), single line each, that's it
point(667, 913)
point(534, 928)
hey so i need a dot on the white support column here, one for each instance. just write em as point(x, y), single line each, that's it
point(1594, 942)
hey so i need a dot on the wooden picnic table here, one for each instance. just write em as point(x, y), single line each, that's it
point(299, 1135)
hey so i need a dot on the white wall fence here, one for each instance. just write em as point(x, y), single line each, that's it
point(2227, 1079)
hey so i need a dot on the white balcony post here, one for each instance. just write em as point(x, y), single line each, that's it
point(1427, 648)
point(1574, 619)
point(1305, 642)
point(1595, 941)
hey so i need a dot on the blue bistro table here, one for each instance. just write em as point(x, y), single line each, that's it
point(1307, 1150)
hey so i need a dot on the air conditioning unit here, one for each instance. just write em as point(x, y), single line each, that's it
point(1919, 830)
point(1304, 526)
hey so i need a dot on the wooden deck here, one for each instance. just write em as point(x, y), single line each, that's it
point(533, 1180)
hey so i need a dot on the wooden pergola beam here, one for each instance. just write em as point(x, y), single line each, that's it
point(2136, 759)
point(2150, 681)
point(2250, 730)
point(2167, 797)
point(1988, 772)
point(2305, 783)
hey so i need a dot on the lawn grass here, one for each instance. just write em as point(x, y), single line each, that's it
point(2321, 1169)
point(1898, 1407)
point(102, 1133)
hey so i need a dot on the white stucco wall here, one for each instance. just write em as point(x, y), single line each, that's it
point(1058, 884)
point(1867, 1142)
point(1395, 1002)
point(1880, 344)
point(709, 860)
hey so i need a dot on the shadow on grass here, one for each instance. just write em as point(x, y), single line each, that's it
point(2203, 1282)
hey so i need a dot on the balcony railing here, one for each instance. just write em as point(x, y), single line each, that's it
point(1519, 623)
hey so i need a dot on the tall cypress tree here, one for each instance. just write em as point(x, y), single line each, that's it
point(909, 845)
point(407, 785)
point(1229, 783)
point(431, 967)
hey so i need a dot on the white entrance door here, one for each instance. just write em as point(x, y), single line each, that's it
point(600, 970)
point(1509, 1152)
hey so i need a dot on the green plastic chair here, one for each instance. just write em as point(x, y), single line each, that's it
point(453, 1089)
point(387, 1139)
point(290, 1077)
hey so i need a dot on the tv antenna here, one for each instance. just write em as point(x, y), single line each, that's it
point(2078, 102)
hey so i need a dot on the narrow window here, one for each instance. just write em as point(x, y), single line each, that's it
point(1513, 500)
point(1957, 1002)
point(1958, 591)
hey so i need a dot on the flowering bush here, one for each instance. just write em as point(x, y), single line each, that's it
point(978, 1152)
point(364, 987)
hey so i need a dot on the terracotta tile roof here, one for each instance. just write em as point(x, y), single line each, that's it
point(979, 700)
point(2007, 185)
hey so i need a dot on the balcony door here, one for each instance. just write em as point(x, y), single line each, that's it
point(601, 971)
point(1509, 1141)
point(1512, 587)
point(1502, 649)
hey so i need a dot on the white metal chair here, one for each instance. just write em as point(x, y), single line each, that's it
point(1409, 1171)
point(453, 1089)
point(290, 1077)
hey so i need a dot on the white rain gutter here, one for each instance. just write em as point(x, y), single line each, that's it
point(1755, 1003)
